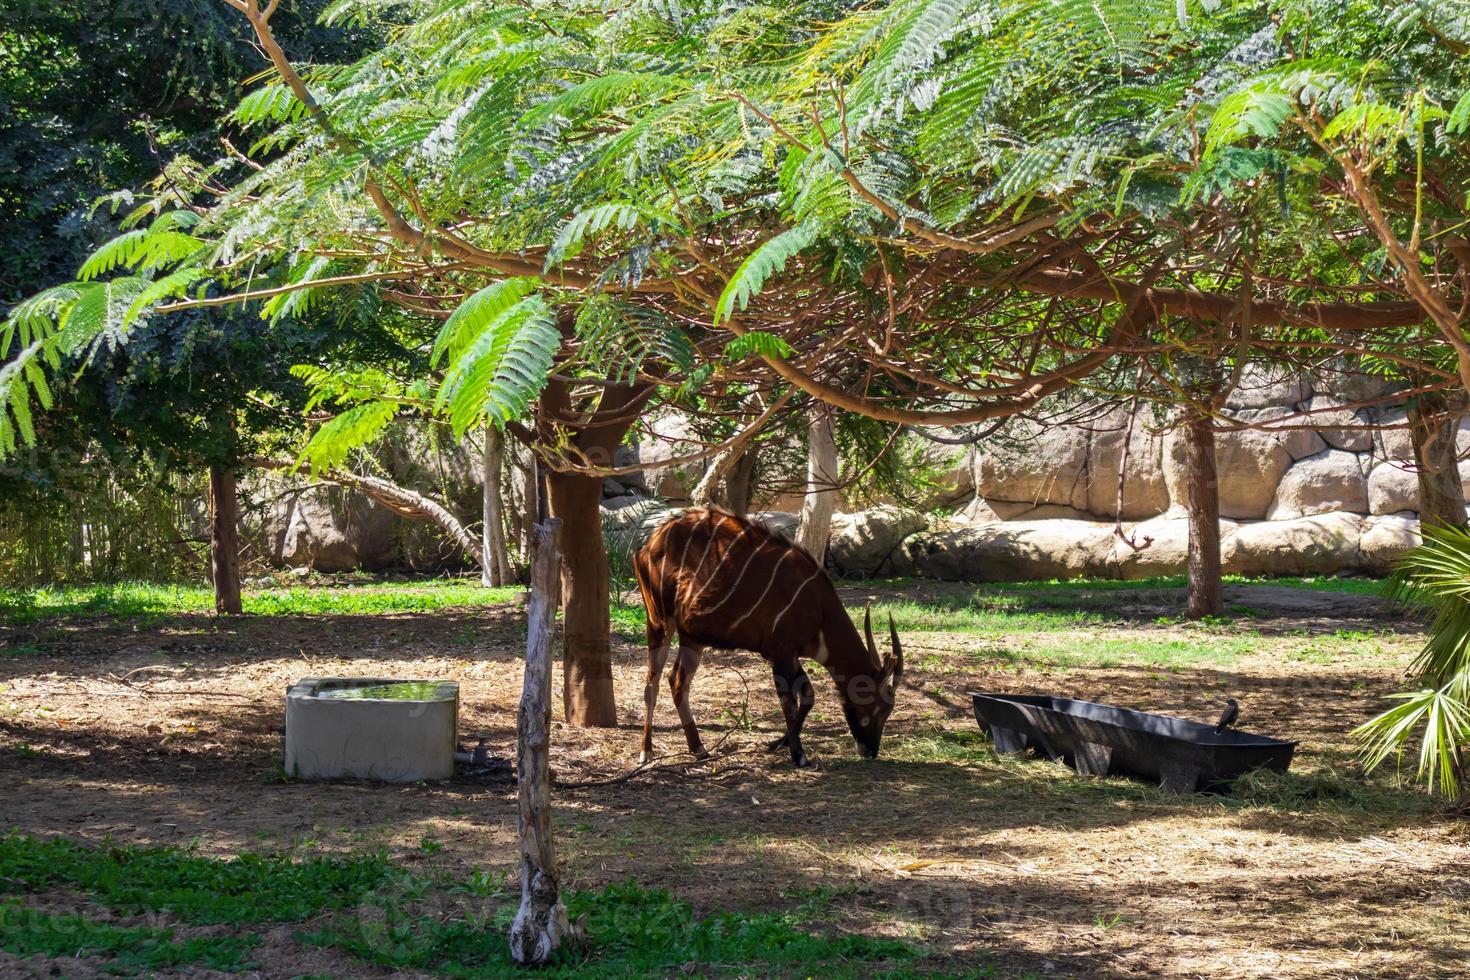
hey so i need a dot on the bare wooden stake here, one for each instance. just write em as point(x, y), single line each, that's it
point(541, 923)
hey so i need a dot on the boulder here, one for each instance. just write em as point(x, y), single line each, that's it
point(1265, 386)
point(670, 438)
point(978, 511)
point(1391, 440)
point(1011, 551)
point(1386, 538)
point(952, 469)
point(1009, 510)
point(1393, 486)
point(1166, 554)
point(1326, 412)
point(1249, 464)
point(1035, 465)
point(862, 543)
point(1353, 386)
point(1145, 493)
point(1329, 481)
point(634, 482)
point(780, 521)
point(1164, 551)
point(1293, 431)
point(326, 528)
point(628, 521)
point(1317, 545)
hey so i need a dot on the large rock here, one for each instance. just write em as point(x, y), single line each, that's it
point(1265, 386)
point(1009, 510)
point(1331, 480)
point(1386, 538)
point(1145, 493)
point(1391, 440)
point(1316, 545)
point(1393, 486)
point(1012, 551)
point(1035, 466)
point(670, 438)
point(1334, 424)
point(326, 528)
point(780, 521)
point(628, 521)
point(1288, 427)
point(1249, 464)
point(863, 543)
point(952, 468)
point(1164, 547)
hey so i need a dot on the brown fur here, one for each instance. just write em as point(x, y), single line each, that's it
point(723, 582)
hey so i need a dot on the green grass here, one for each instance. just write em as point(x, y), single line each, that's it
point(1320, 583)
point(389, 917)
point(127, 950)
point(143, 600)
point(1068, 623)
point(199, 890)
point(630, 931)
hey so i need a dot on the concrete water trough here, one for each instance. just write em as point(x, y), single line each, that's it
point(390, 729)
point(1183, 756)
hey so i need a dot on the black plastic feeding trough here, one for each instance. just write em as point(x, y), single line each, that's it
point(1100, 739)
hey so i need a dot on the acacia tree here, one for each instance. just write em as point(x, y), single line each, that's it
point(926, 212)
point(436, 153)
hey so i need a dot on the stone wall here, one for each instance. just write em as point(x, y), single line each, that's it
point(1029, 502)
point(1332, 492)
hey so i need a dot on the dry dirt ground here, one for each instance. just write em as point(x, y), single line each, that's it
point(987, 861)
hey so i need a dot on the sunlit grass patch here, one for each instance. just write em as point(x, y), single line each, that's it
point(148, 601)
point(389, 917)
point(630, 931)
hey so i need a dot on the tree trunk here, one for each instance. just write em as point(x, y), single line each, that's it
point(587, 687)
point(821, 485)
point(523, 495)
point(541, 922)
point(224, 541)
point(1433, 427)
point(1206, 593)
point(740, 481)
point(495, 569)
point(587, 647)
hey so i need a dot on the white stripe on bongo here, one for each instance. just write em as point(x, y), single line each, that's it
point(694, 575)
point(775, 570)
point(792, 601)
point(755, 550)
point(695, 588)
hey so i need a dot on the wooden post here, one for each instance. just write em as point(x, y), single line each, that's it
point(541, 923)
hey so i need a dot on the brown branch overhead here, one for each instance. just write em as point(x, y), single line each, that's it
point(1219, 307)
point(799, 306)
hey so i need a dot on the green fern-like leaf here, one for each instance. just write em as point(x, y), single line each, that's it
point(771, 257)
point(588, 222)
point(502, 367)
point(481, 308)
point(617, 337)
point(337, 438)
point(756, 343)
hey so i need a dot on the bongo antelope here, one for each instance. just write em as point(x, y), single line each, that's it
point(724, 582)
